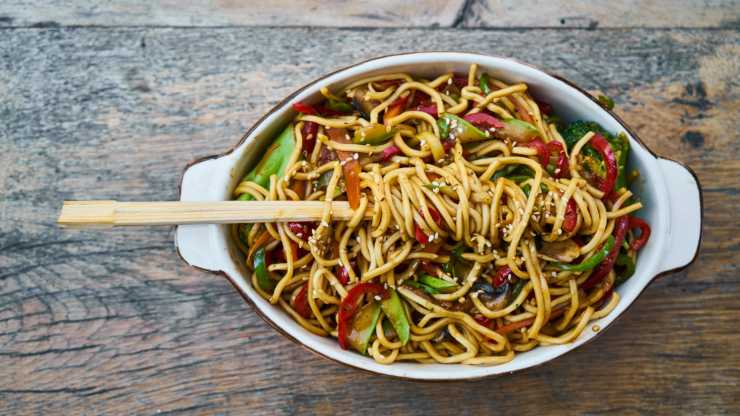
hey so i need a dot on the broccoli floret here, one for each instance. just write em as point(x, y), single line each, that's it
point(577, 129)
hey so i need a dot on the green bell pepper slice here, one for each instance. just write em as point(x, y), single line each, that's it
point(274, 162)
point(626, 268)
point(260, 269)
point(340, 106)
point(393, 309)
point(485, 84)
point(590, 262)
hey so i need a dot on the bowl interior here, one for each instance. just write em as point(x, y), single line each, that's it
point(569, 103)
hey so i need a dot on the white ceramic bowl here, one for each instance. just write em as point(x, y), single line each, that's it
point(670, 193)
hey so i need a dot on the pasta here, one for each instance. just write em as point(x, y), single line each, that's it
point(483, 226)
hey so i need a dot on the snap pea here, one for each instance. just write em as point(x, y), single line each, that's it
point(274, 162)
point(393, 309)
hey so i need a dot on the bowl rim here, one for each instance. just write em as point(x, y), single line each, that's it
point(314, 81)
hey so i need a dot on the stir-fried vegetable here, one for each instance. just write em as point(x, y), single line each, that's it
point(603, 269)
point(300, 304)
point(561, 250)
point(591, 159)
point(590, 262)
point(452, 126)
point(274, 162)
point(484, 84)
point(625, 267)
point(350, 167)
point(610, 161)
point(393, 309)
point(372, 134)
point(363, 326)
point(562, 169)
point(570, 219)
point(644, 228)
point(260, 269)
point(439, 285)
point(396, 107)
point(353, 331)
point(484, 121)
point(518, 130)
point(419, 232)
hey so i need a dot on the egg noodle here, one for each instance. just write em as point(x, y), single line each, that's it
point(473, 237)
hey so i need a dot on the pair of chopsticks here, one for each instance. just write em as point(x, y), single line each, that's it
point(106, 214)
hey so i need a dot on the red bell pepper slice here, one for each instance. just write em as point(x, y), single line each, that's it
point(421, 237)
point(305, 108)
point(545, 107)
point(309, 132)
point(483, 320)
point(484, 120)
point(603, 269)
point(429, 108)
point(610, 161)
point(350, 167)
point(343, 275)
point(349, 305)
point(562, 169)
point(448, 145)
point(396, 107)
point(300, 230)
point(300, 303)
point(571, 216)
point(542, 152)
point(460, 80)
point(644, 228)
point(501, 276)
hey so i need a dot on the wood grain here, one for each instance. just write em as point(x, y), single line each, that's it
point(115, 323)
point(603, 13)
point(199, 13)
point(375, 13)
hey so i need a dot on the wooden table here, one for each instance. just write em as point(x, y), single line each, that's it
point(111, 101)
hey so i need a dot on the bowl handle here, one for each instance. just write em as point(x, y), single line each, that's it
point(685, 208)
point(199, 245)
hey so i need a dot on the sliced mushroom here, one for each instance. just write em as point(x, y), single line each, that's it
point(361, 104)
point(493, 298)
point(564, 251)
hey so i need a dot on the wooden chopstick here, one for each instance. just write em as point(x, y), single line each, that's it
point(106, 214)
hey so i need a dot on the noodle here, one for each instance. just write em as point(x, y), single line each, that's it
point(467, 244)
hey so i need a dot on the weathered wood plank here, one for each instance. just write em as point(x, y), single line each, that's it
point(397, 13)
point(603, 13)
point(333, 13)
point(114, 322)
